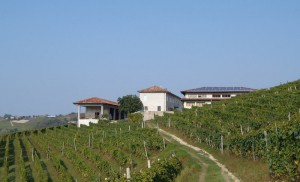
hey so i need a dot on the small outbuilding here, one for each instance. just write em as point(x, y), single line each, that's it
point(97, 108)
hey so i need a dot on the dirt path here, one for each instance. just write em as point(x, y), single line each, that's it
point(228, 176)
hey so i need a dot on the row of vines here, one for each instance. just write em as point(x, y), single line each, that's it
point(101, 152)
point(262, 125)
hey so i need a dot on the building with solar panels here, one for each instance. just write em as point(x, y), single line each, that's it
point(206, 95)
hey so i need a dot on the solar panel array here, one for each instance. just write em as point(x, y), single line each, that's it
point(221, 89)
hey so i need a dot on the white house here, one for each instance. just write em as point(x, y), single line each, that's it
point(205, 95)
point(157, 100)
point(95, 109)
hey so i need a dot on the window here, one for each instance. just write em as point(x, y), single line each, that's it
point(190, 104)
point(146, 108)
point(200, 104)
point(170, 109)
point(226, 95)
point(201, 96)
point(158, 108)
point(192, 96)
point(215, 95)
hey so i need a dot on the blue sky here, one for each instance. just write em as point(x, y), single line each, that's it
point(55, 52)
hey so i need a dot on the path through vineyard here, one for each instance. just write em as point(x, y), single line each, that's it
point(205, 159)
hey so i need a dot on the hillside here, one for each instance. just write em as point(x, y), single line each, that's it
point(6, 126)
point(262, 125)
point(100, 152)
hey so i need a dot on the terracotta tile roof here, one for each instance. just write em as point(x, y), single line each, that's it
point(96, 100)
point(157, 89)
point(154, 89)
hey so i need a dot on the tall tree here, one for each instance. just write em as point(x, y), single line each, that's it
point(130, 103)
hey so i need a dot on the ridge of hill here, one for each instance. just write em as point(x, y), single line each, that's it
point(264, 124)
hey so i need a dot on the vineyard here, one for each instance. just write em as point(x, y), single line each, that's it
point(262, 125)
point(101, 152)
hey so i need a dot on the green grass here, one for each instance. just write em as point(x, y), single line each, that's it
point(196, 167)
point(191, 167)
point(244, 169)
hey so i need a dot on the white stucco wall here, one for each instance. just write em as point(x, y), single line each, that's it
point(86, 122)
point(152, 100)
point(206, 95)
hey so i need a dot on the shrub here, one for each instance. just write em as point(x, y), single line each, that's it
point(135, 117)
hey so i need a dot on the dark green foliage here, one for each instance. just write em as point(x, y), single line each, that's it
point(260, 125)
point(135, 117)
point(160, 171)
point(130, 103)
point(103, 151)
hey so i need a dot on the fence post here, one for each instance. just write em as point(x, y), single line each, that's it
point(75, 144)
point(242, 130)
point(266, 139)
point(128, 173)
point(149, 163)
point(222, 144)
point(145, 150)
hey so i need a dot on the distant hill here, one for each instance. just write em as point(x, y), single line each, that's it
point(7, 126)
point(264, 124)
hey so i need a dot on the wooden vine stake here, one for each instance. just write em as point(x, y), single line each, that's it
point(164, 143)
point(222, 144)
point(92, 140)
point(32, 157)
point(63, 148)
point(128, 173)
point(145, 150)
point(253, 152)
point(74, 144)
point(149, 163)
point(266, 139)
point(129, 128)
point(242, 130)
point(169, 123)
point(89, 140)
point(102, 136)
point(289, 116)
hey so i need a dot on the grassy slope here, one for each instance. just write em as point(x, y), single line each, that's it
point(254, 113)
point(241, 167)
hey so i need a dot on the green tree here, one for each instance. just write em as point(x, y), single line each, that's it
point(130, 103)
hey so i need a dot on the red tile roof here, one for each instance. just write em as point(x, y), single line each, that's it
point(154, 89)
point(96, 100)
point(157, 89)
